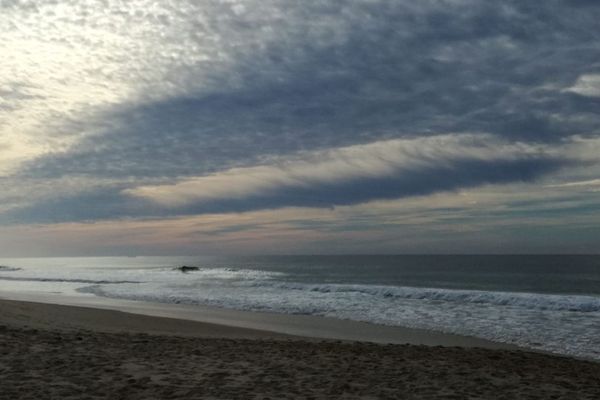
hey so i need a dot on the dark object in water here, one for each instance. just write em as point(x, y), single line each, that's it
point(185, 268)
point(8, 269)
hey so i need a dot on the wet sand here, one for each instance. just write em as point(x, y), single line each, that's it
point(86, 312)
point(64, 352)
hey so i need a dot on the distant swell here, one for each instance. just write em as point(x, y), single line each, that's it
point(229, 273)
point(101, 282)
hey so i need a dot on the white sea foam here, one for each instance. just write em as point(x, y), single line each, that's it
point(516, 299)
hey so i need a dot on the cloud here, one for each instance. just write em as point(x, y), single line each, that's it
point(392, 169)
point(490, 218)
point(589, 183)
point(123, 110)
point(385, 169)
point(587, 85)
point(217, 88)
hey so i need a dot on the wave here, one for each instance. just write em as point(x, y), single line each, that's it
point(229, 273)
point(8, 269)
point(262, 280)
point(577, 303)
point(90, 281)
point(161, 275)
point(362, 293)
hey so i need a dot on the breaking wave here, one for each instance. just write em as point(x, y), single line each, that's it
point(515, 299)
point(101, 282)
point(8, 269)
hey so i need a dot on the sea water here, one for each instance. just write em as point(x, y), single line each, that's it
point(550, 303)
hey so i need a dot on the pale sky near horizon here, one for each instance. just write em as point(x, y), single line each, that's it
point(283, 126)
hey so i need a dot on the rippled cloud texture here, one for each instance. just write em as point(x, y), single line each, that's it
point(299, 126)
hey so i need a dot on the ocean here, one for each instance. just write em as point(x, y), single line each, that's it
point(550, 303)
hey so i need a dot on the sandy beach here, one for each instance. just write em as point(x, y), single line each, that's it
point(65, 352)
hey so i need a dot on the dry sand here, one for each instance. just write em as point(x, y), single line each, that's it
point(63, 352)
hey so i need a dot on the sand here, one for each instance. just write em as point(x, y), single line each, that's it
point(297, 325)
point(64, 352)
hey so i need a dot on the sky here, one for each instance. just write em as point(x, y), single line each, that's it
point(299, 127)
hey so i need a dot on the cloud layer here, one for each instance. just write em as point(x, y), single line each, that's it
point(202, 88)
point(114, 110)
point(387, 169)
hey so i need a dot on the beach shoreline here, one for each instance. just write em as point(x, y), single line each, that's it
point(59, 351)
point(83, 310)
point(396, 302)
